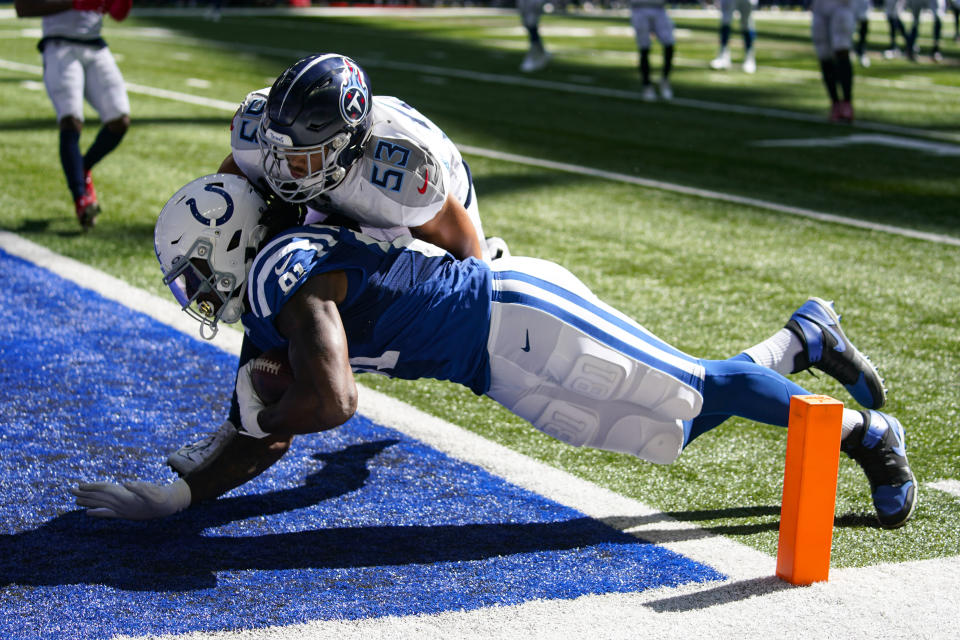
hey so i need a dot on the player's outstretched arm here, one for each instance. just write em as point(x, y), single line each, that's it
point(239, 462)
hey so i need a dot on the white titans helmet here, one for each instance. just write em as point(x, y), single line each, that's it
point(206, 238)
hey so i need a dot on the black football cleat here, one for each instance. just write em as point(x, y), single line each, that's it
point(879, 447)
point(825, 347)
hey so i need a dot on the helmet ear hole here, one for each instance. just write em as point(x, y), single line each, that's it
point(235, 240)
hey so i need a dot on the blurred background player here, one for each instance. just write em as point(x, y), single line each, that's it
point(892, 9)
point(916, 7)
point(955, 9)
point(77, 64)
point(537, 56)
point(744, 9)
point(862, 14)
point(320, 138)
point(647, 16)
point(832, 31)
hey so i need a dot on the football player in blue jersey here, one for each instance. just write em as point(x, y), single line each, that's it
point(321, 140)
point(524, 332)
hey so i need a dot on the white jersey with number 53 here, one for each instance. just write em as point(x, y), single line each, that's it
point(408, 167)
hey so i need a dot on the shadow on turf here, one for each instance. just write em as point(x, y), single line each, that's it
point(704, 529)
point(723, 594)
point(182, 552)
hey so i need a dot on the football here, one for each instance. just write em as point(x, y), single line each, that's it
point(271, 374)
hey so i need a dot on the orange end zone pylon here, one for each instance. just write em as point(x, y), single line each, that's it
point(809, 489)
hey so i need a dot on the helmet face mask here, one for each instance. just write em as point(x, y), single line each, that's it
point(316, 121)
point(206, 238)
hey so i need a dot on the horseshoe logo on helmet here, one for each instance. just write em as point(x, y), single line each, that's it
point(212, 188)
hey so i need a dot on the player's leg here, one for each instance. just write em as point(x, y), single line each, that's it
point(663, 27)
point(107, 92)
point(913, 43)
point(892, 10)
point(820, 33)
point(583, 372)
point(63, 79)
point(749, 30)
point(862, 14)
point(537, 56)
point(722, 61)
point(840, 34)
point(955, 8)
point(873, 439)
point(937, 7)
point(640, 21)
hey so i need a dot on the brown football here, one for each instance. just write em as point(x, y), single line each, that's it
point(271, 375)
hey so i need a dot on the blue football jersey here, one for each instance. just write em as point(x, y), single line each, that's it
point(411, 311)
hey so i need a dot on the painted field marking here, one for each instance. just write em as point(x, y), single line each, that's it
point(879, 139)
point(947, 486)
point(580, 170)
point(752, 604)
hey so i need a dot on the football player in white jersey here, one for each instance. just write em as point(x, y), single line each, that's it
point(537, 56)
point(320, 138)
point(832, 31)
point(77, 63)
point(525, 332)
point(745, 9)
point(647, 16)
point(916, 7)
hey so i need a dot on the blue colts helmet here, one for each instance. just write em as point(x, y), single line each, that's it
point(315, 123)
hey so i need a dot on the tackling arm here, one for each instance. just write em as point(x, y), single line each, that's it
point(451, 229)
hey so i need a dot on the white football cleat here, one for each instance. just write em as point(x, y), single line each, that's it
point(865, 61)
point(198, 455)
point(722, 61)
point(648, 94)
point(666, 91)
point(750, 63)
point(535, 60)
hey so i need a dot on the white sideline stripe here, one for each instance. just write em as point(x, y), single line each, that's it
point(711, 195)
point(936, 148)
point(947, 486)
point(910, 599)
point(581, 170)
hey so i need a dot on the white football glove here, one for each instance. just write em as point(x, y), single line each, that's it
point(250, 403)
point(132, 500)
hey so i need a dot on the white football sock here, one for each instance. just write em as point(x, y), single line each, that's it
point(851, 420)
point(777, 352)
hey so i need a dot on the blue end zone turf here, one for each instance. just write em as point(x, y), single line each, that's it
point(358, 522)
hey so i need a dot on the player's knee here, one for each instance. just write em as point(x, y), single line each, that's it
point(71, 123)
point(119, 125)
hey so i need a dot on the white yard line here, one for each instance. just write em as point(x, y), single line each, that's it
point(223, 105)
point(916, 599)
point(947, 486)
